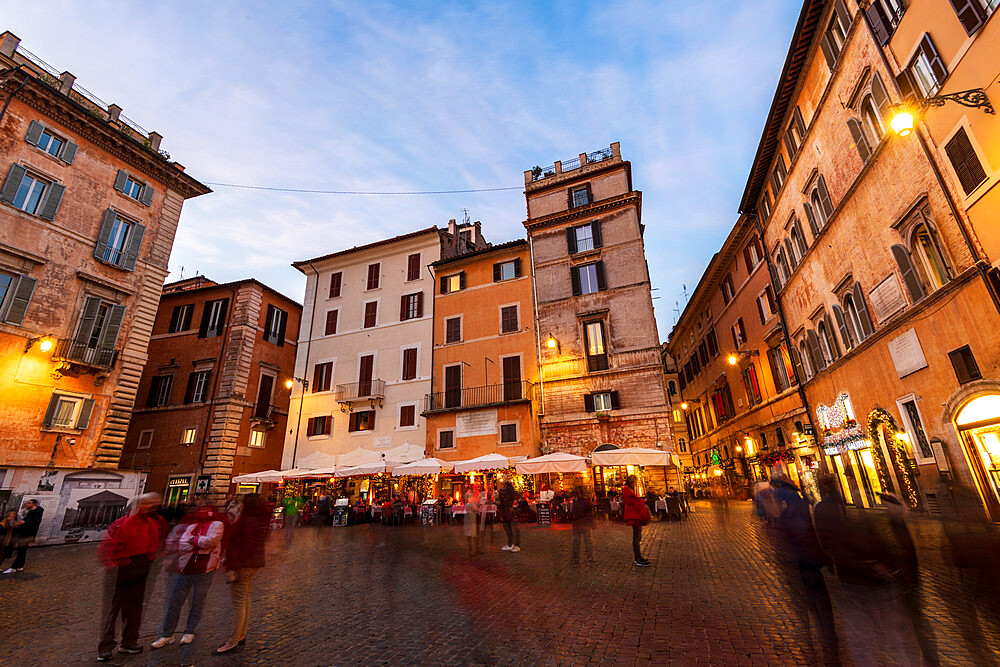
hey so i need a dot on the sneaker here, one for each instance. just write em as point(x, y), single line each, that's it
point(187, 638)
point(162, 641)
point(645, 560)
point(132, 650)
point(104, 658)
point(9, 570)
point(515, 548)
point(506, 547)
point(642, 563)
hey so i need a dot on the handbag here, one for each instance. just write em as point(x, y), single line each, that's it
point(644, 514)
point(198, 562)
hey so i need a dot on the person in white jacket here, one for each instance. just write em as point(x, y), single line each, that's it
point(193, 551)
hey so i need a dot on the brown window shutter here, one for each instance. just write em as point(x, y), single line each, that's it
point(335, 280)
point(601, 282)
point(860, 142)
point(461, 280)
point(770, 299)
point(402, 307)
point(420, 304)
point(615, 401)
point(747, 259)
point(517, 267)
point(907, 89)
point(444, 285)
point(570, 238)
point(595, 231)
point(574, 274)
point(496, 272)
point(970, 13)
point(937, 65)
point(964, 160)
point(588, 402)
point(331, 323)
point(879, 23)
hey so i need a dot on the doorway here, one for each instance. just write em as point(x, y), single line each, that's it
point(979, 426)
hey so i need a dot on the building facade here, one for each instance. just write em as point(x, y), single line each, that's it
point(88, 211)
point(671, 383)
point(484, 369)
point(363, 367)
point(601, 374)
point(213, 400)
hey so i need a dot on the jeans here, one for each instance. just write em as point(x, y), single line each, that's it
point(513, 531)
point(582, 533)
point(636, 539)
point(126, 599)
point(239, 591)
point(178, 589)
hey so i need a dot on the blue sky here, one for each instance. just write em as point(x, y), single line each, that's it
point(427, 96)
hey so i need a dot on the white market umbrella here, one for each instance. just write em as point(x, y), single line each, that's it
point(318, 460)
point(318, 472)
point(631, 456)
point(555, 462)
point(486, 462)
point(430, 466)
point(405, 453)
point(360, 456)
point(256, 477)
point(358, 471)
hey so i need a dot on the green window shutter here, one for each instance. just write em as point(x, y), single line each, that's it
point(909, 274)
point(18, 306)
point(859, 139)
point(862, 307)
point(104, 235)
point(34, 133)
point(68, 152)
point(50, 412)
point(86, 328)
point(52, 200)
point(12, 183)
point(86, 410)
point(112, 327)
point(146, 196)
point(134, 243)
point(120, 180)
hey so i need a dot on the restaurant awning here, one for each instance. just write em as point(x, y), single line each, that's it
point(631, 456)
point(360, 456)
point(256, 477)
point(555, 462)
point(366, 469)
point(318, 472)
point(486, 462)
point(429, 466)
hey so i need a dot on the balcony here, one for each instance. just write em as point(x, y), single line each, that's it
point(478, 397)
point(264, 414)
point(372, 391)
point(75, 354)
point(565, 166)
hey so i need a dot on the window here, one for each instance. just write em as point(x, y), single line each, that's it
point(213, 318)
point(466, 236)
point(335, 282)
point(884, 16)
point(265, 390)
point(180, 318)
point(453, 283)
point(915, 428)
point(409, 370)
point(722, 402)
point(751, 385)
point(836, 33)
point(765, 205)
point(31, 193)
point(973, 13)
point(753, 253)
point(671, 387)
point(926, 72)
point(411, 306)
point(145, 439)
point(739, 332)
point(783, 270)
point(584, 237)
point(929, 257)
point(861, 142)
point(44, 139)
point(371, 314)
point(795, 133)
point(964, 363)
point(827, 340)
point(597, 354)
point(781, 369)
point(807, 368)
point(713, 342)
point(778, 175)
point(508, 319)
point(856, 314)
point(197, 388)
point(453, 386)
point(677, 415)
point(374, 273)
point(274, 325)
point(453, 329)
point(601, 401)
point(189, 435)
point(799, 246)
point(362, 421)
point(765, 305)
point(727, 289)
point(68, 412)
point(413, 267)
point(682, 445)
point(588, 278)
point(905, 264)
point(322, 377)
point(579, 196)
point(331, 322)
point(964, 161)
point(159, 390)
point(407, 415)
point(130, 187)
point(871, 119)
point(508, 433)
point(258, 437)
point(507, 270)
point(446, 439)
point(319, 426)
point(703, 353)
point(15, 295)
point(820, 206)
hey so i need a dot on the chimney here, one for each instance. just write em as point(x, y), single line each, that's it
point(8, 44)
point(154, 140)
point(478, 238)
point(114, 111)
point(66, 81)
point(452, 227)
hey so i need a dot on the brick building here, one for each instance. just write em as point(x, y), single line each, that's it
point(671, 383)
point(484, 368)
point(213, 400)
point(88, 211)
point(601, 375)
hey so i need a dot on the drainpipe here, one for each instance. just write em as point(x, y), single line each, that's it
point(302, 396)
point(538, 334)
point(6, 103)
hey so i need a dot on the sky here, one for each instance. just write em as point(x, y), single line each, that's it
point(416, 96)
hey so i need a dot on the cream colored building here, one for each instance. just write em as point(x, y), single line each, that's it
point(363, 365)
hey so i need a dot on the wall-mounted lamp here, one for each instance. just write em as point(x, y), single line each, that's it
point(290, 382)
point(688, 403)
point(905, 115)
point(737, 357)
point(44, 343)
point(552, 343)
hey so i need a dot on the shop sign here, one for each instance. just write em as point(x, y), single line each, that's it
point(177, 482)
point(202, 485)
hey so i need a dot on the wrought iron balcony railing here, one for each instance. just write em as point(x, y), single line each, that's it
point(360, 391)
point(472, 397)
point(74, 352)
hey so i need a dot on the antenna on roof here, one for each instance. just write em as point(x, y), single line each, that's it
point(465, 216)
point(182, 273)
point(684, 291)
point(677, 312)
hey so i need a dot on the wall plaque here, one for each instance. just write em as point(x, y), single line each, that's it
point(907, 356)
point(475, 422)
point(887, 299)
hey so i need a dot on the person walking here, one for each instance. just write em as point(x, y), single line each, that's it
point(583, 522)
point(7, 527)
point(24, 535)
point(635, 514)
point(244, 555)
point(127, 551)
point(195, 550)
point(470, 523)
point(508, 496)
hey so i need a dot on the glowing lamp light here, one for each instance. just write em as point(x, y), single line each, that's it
point(902, 123)
point(718, 473)
point(45, 345)
point(289, 383)
point(733, 359)
point(739, 449)
point(551, 343)
point(684, 406)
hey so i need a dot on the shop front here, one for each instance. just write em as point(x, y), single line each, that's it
point(850, 454)
point(978, 423)
point(178, 489)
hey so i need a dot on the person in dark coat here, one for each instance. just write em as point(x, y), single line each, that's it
point(636, 515)
point(244, 555)
point(24, 535)
point(508, 496)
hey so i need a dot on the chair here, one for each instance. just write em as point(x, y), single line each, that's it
point(673, 507)
point(604, 508)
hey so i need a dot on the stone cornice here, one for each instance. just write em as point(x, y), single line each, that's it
point(633, 198)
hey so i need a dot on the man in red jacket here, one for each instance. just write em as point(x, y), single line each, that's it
point(128, 550)
point(636, 515)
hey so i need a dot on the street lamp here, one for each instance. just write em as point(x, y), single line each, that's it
point(737, 357)
point(289, 383)
point(904, 115)
point(686, 404)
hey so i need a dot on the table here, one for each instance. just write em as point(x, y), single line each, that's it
point(457, 509)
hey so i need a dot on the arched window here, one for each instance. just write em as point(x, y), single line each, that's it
point(682, 445)
point(929, 257)
point(824, 342)
point(798, 241)
point(781, 267)
point(871, 122)
point(819, 208)
point(805, 361)
point(904, 261)
point(779, 436)
point(856, 315)
point(847, 333)
point(672, 387)
point(831, 338)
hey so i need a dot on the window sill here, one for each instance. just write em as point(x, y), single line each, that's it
point(62, 429)
point(509, 444)
point(132, 199)
point(369, 431)
point(325, 436)
point(586, 254)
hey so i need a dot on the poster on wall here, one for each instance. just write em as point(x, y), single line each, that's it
point(47, 482)
point(90, 511)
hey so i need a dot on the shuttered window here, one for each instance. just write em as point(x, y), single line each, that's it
point(964, 161)
point(362, 421)
point(335, 282)
point(453, 283)
point(973, 13)
point(119, 241)
point(331, 322)
point(133, 188)
point(374, 273)
point(596, 348)
point(964, 363)
point(906, 270)
point(413, 267)
point(407, 415)
point(213, 318)
point(507, 270)
point(159, 390)
point(274, 325)
point(446, 439)
point(409, 363)
point(836, 33)
point(508, 319)
point(319, 426)
point(453, 330)
point(180, 318)
point(15, 295)
point(371, 314)
point(411, 306)
point(322, 377)
point(588, 278)
point(927, 70)
point(197, 387)
point(68, 412)
point(31, 193)
point(45, 139)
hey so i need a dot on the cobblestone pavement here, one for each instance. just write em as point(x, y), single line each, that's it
point(715, 594)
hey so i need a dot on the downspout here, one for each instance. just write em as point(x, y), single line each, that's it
point(538, 334)
point(302, 395)
point(978, 260)
point(6, 103)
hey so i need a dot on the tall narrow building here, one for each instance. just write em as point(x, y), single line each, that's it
point(601, 375)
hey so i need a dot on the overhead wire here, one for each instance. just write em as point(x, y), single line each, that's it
point(358, 192)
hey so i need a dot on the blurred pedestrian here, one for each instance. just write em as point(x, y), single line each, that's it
point(470, 522)
point(506, 500)
point(195, 551)
point(635, 514)
point(583, 524)
point(7, 527)
point(244, 555)
point(128, 549)
point(24, 534)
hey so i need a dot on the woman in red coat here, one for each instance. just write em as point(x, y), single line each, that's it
point(636, 515)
